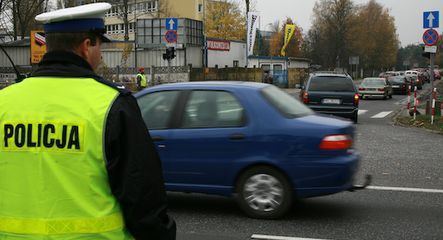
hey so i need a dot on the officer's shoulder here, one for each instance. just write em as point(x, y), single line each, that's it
point(118, 87)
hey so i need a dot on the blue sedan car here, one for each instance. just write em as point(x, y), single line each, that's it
point(247, 140)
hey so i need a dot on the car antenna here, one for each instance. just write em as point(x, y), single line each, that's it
point(20, 77)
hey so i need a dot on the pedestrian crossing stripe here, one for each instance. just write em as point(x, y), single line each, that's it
point(381, 114)
point(361, 112)
point(378, 115)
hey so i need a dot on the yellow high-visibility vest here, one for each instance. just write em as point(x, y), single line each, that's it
point(142, 80)
point(53, 178)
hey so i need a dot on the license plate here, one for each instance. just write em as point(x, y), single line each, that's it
point(395, 86)
point(331, 101)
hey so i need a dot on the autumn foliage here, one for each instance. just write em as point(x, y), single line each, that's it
point(224, 19)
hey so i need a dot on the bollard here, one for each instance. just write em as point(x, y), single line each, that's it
point(409, 97)
point(415, 102)
point(434, 95)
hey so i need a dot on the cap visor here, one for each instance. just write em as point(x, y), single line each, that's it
point(105, 38)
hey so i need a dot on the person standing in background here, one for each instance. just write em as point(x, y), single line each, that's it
point(141, 79)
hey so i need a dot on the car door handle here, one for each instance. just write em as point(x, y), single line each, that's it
point(237, 136)
point(157, 138)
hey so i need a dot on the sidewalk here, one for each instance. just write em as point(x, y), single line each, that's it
point(292, 91)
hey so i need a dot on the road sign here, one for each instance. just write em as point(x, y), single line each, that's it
point(431, 49)
point(171, 24)
point(430, 37)
point(171, 36)
point(431, 19)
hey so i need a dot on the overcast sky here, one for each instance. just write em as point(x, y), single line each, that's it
point(408, 14)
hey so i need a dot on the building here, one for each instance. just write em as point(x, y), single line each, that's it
point(148, 9)
point(224, 53)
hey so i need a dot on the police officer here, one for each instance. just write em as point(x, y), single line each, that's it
point(76, 159)
point(141, 78)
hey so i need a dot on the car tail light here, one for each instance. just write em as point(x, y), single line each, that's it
point(361, 89)
point(381, 89)
point(356, 99)
point(336, 142)
point(305, 97)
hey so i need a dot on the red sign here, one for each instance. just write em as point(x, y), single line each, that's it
point(171, 36)
point(430, 37)
point(219, 45)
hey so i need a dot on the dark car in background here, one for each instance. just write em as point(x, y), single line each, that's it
point(249, 140)
point(332, 93)
point(401, 84)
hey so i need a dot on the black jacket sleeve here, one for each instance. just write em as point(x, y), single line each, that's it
point(135, 173)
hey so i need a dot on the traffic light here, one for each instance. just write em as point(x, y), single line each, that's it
point(170, 54)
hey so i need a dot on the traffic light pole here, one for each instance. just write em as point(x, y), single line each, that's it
point(169, 70)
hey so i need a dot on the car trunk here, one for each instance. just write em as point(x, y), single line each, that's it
point(331, 98)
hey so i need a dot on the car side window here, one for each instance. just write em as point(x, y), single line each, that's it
point(212, 109)
point(156, 108)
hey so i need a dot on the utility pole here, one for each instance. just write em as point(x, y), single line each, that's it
point(432, 58)
point(135, 36)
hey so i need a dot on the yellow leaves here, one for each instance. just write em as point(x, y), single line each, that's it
point(223, 19)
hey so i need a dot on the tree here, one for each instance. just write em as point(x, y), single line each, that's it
point(374, 37)
point(19, 15)
point(223, 19)
point(333, 19)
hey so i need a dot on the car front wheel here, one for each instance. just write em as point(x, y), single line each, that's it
point(264, 192)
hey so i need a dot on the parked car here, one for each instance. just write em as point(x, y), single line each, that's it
point(400, 84)
point(375, 87)
point(417, 78)
point(248, 140)
point(332, 93)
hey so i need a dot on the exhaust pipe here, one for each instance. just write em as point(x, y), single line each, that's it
point(368, 180)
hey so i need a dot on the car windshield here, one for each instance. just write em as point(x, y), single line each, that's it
point(397, 79)
point(285, 103)
point(331, 84)
point(372, 82)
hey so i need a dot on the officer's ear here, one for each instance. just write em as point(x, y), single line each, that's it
point(84, 47)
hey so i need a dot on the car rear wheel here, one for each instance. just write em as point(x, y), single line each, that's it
point(264, 192)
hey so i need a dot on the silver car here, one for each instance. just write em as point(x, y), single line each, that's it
point(375, 87)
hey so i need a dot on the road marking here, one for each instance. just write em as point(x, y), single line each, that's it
point(381, 114)
point(361, 111)
point(271, 237)
point(404, 189)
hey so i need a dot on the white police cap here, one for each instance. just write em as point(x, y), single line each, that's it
point(84, 18)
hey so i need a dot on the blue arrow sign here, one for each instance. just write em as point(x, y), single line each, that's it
point(431, 19)
point(171, 24)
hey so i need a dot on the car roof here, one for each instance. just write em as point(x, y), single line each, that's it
point(374, 78)
point(206, 84)
point(331, 74)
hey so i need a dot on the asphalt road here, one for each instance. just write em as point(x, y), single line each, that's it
point(405, 200)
